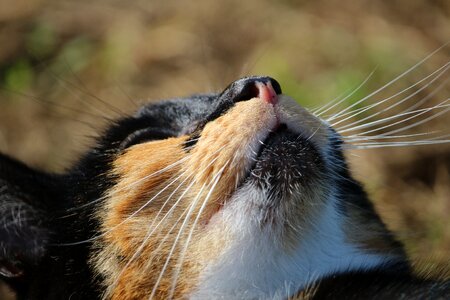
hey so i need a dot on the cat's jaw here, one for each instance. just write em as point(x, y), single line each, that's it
point(251, 208)
point(251, 135)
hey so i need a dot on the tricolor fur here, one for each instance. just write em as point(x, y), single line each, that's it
point(238, 195)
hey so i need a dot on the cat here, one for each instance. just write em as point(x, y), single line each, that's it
point(242, 194)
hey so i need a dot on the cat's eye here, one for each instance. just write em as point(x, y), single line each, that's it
point(146, 135)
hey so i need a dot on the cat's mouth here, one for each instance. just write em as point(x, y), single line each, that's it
point(285, 170)
point(285, 162)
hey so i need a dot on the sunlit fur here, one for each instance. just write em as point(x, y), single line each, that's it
point(194, 229)
point(241, 194)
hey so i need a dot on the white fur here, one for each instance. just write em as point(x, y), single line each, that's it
point(257, 264)
point(257, 267)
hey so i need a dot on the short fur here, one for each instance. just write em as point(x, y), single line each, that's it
point(229, 195)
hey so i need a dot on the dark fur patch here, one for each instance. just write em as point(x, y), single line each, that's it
point(49, 222)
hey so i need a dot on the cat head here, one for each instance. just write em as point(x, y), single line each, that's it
point(243, 192)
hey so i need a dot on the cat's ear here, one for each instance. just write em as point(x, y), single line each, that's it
point(26, 196)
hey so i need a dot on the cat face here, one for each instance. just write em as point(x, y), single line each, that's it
point(235, 183)
point(241, 194)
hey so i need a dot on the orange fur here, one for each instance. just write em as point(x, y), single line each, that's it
point(230, 141)
point(132, 259)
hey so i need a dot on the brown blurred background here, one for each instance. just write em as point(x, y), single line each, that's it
point(66, 65)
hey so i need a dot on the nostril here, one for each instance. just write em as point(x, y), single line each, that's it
point(244, 89)
point(251, 87)
point(249, 90)
point(276, 86)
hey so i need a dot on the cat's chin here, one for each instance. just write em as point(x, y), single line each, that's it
point(282, 165)
point(285, 160)
point(286, 180)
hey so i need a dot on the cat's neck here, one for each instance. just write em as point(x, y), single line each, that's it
point(257, 266)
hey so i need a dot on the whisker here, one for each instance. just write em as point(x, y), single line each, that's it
point(381, 136)
point(126, 219)
point(183, 253)
point(327, 117)
point(169, 256)
point(130, 99)
point(419, 122)
point(389, 83)
point(152, 228)
point(167, 235)
point(417, 104)
point(84, 89)
point(349, 95)
point(315, 110)
point(427, 97)
point(414, 114)
point(439, 137)
point(440, 86)
point(314, 133)
point(141, 208)
point(394, 144)
point(45, 101)
point(65, 85)
point(167, 168)
point(173, 207)
point(393, 96)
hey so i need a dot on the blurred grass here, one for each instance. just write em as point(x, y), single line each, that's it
point(57, 57)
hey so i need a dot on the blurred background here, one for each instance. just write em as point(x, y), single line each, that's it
point(67, 66)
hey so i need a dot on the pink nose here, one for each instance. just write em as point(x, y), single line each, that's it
point(266, 92)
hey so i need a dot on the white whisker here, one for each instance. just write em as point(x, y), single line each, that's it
point(427, 97)
point(152, 228)
point(388, 84)
point(391, 106)
point(395, 144)
point(129, 217)
point(349, 95)
point(414, 114)
point(183, 253)
point(167, 168)
point(172, 249)
point(439, 137)
point(381, 136)
point(446, 106)
point(418, 103)
point(445, 68)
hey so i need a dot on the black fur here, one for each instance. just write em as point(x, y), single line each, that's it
point(41, 257)
point(391, 282)
point(41, 214)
